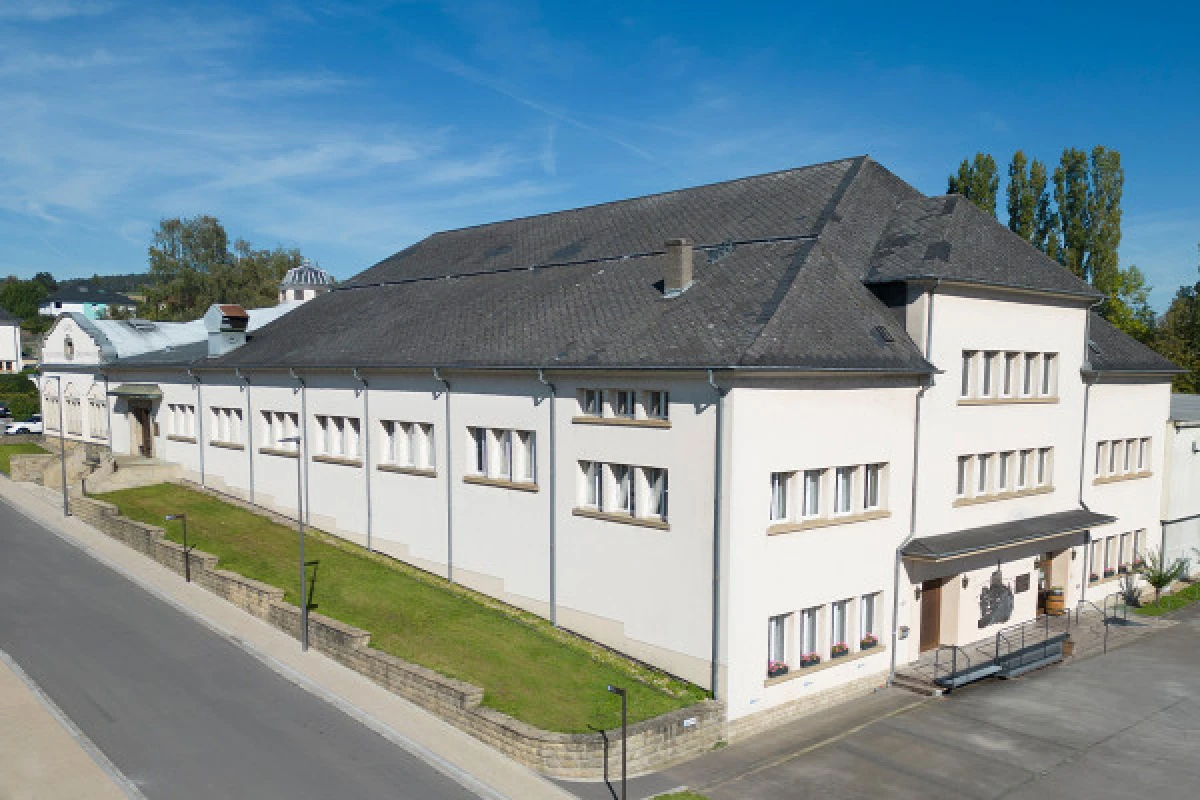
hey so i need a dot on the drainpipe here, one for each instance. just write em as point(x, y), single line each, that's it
point(1088, 381)
point(718, 456)
point(303, 431)
point(541, 375)
point(199, 420)
point(912, 514)
point(249, 428)
point(366, 435)
point(107, 411)
point(437, 376)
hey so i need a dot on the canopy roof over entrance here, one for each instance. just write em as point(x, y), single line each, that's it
point(145, 391)
point(1003, 535)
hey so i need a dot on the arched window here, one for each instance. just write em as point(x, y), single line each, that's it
point(97, 413)
point(68, 349)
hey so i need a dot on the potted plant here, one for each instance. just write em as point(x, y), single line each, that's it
point(1093, 578)
point(840, 649)
point(810, 659)
point(868, 641)
point(776, 668)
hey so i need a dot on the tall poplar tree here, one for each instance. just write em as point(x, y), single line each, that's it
point(1071, 195)
point(978, 180)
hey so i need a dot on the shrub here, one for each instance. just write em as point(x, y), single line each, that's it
point(1160, 574)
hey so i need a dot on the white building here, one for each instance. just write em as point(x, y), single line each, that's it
point(304, 283)
point(89, 301)
point(806, 416)
point(11, 359)
point(1181, 498)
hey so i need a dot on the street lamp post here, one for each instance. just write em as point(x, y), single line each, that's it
point(187, 551)
point(617, 690)
point(300, 524)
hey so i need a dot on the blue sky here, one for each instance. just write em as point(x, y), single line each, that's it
point(350, 130)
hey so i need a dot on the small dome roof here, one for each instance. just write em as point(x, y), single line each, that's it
point(306, 275)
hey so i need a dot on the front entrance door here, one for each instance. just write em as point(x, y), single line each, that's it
point(142, 439)
point(931, 613)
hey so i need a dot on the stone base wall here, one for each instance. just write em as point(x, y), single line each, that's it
point(767, 719)
point(653, 743)
point(30, 468)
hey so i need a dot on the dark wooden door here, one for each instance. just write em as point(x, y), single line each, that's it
point(146, 438)
point(931, 614)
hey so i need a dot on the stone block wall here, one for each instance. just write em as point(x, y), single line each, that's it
point(30, 468)
point(653, 743)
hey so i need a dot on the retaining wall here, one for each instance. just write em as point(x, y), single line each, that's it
point(653, 743)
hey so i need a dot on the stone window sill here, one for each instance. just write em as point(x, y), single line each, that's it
point(174, 437)
point(1005, 401)
point(825, 522)
point(828, 663)
point(400, 469)
point(341, 461)
point(991, 498)
point(228, 445)
point(627, 422)
point(624, 519)
point(500, 483)
point(278, 451)
point(1127, 476)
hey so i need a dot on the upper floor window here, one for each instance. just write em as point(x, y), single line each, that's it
point(1007, 376)
point(226, 426)
point(995, 476)
point(655, 404)
point(780, 483)
point(1122, 458)
point(337, 437)
point(501, 453)
point(68, 349)
point(827, 493)
point(408, 444)
point(624, 405)
point(278, 427)
point(591, 402)
point(624, 490)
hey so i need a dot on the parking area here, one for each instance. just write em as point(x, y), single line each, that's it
point(1125, 724)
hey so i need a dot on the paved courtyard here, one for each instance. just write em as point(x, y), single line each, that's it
point(1121, 725)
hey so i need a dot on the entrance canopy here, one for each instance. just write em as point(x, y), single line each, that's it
point(139, 391)
point(1062, 525)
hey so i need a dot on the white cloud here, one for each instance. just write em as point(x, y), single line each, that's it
point(50, 10)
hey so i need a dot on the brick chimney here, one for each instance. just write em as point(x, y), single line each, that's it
point(678, 275)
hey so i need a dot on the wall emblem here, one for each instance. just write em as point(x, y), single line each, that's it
point(995, 601)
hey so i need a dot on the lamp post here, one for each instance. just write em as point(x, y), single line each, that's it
point(187, 551)
point(300, 524)
point(617, 690)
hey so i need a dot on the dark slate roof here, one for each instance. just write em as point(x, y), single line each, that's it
point(1185, 408)
point(949, 237)
point(85, 293)
point(1113, 350)
point(781, 262)
point(1003, 534)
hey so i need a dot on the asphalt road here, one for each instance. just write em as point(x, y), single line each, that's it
point(181, 711)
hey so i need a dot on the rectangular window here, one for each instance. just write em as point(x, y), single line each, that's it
point(1028, 385)
point(1112, 458)
point(869, 616)
point(1023, 465)
point(808, 631)
point(983, 473)
point(964, 471)
point(526, 457)
point(1139, 545)
point(843, 490)
point(1049, 374)
point(872, 486)
point(779, 495)
point(1004, 472)
point(968, 362)
point(593, 484)
point(1128, 446)
point(591, 403)
point(623, 483)
point(656, 492)
point(777, 639)
point(1126, 549)
point(812, 493)
point(656, 405)
point(505, 441)
point(1099, 458)
point(989, 365)
point(226, 425)
point(623, 403)
point(1143, 460)
point(1110, 555)
point(839, 626)
point(479, 450)
point(1010, 374)
point(1097, 559)
point(1043, 466)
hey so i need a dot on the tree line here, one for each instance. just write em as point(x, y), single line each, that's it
point(1073, 214)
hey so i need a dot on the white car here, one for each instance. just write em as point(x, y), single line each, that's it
point(31, 425)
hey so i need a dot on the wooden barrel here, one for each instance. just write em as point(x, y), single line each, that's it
point(1055, 602)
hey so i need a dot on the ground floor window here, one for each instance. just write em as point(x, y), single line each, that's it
point(839, 621)
point(777, 645)
point(868, 630)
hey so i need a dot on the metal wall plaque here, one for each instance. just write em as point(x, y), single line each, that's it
point(1022, 583)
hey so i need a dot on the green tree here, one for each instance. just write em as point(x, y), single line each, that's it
point(1045, 217)
point(1177, 336)
point(1127, 302)
point(1030, 214)
point(1071, 198)
point(21, 298)
point(1087, 192)
point(978, 180)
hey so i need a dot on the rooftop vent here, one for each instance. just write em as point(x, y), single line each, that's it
point(226, 326)
point(678, 275)
point(884, 334)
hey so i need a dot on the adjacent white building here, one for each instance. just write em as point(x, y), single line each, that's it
point(11, 359)
point(1181, 498)
point(812, 419)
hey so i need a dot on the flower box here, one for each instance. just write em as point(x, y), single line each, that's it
point(1093, 578)
point(838, 650)
point(776, 668)
point(810, 660)
point(1124, 568)
point(1108, 573)
point(868, 641)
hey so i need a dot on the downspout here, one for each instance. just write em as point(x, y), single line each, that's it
point(303, 431)
point(718, 477)
point(249, 428)
point(541, 375)
point(449, 483)
point(107, 411)
point(199, 420)
point(1089, 378)
point(366, 437)
point(912, 514)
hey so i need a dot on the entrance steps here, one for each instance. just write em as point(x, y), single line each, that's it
point(130, 472)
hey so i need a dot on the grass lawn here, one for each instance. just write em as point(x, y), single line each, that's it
point(16, 449)
point(1171, 602)
point(527, 668)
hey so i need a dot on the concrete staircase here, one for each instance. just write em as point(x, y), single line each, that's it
point(129, 472)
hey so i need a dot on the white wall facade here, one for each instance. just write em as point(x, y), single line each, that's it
point(10, 348)
point(1181, 492)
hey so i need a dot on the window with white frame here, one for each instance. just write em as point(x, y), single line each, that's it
point(1143, 460)
point(625, 404)
point(73, 414)
point(226, 426)
point(1097, 560)
point(1011, 367)
point(1126, 553)
point(1122, 457)
point(592, 495)
point(622, 403)
point(97, 416)
point(624, 489)
point(839, 627)
point(181, 420)
point(1005, 376)
point(873, 486)
point(50, 411)
point(780, 486)
point(1029, 379)
point(1049, 386)
point(1045, 466)
point(777, 640)
point(807, 635)
point(1110, 556)
point(812, 492)
point(983, 473)
point(1004, 471)
point(338, 437)
point(655, 404)
point(963, 481)
point(868, 624)
point(968, 366)
point(408, 444)
point(989, 366)
point(625, 497)
point(591, 402)
point(1002, 475)
point(656, 491)
point(479, 450)
point(843, 490)
point(1024, 463)
point(503, 454)
point(1139, 546)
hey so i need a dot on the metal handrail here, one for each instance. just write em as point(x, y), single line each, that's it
point(954, 651)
